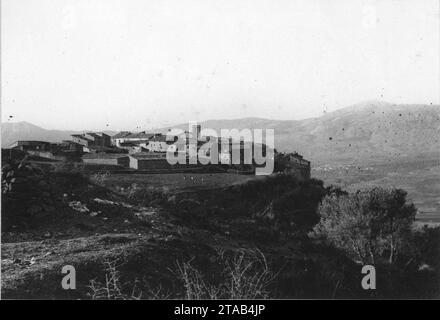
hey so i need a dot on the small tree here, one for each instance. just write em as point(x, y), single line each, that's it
point(373, 226)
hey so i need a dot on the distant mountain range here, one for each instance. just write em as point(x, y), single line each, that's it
point(13, 131)
point(366, 131)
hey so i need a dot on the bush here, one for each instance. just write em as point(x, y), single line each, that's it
point(99, 178)
point(294, 211)
point(267, 187)
point(146, 195)
point(113, 288)
point(372, 226)
point(425, 247)
point(24, 192)
point(243, 275)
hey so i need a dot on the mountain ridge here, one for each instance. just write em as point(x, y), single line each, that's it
point(366, 130)
point(24, 130)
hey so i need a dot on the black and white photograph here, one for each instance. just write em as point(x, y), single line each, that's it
point(238, 150)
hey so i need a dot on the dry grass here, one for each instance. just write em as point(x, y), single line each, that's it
point(246, 275)
point(243, 275)
point(114, 289)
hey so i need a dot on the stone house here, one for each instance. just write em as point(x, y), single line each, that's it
point(107, 159)
point(127, 136)
point(147, 161)
point(92, 139)
point(31, 145)
point(158, 143)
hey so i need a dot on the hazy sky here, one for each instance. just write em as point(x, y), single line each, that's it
point(86, 64)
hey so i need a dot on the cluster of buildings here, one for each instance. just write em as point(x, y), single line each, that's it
point(140, 142)
point(73, 149)
point(146, 151)
point(98, 148)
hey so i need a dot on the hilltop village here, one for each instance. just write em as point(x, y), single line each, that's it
point(147, 152)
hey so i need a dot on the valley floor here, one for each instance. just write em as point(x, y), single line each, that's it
point(419, 177)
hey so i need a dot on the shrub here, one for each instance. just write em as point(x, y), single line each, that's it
point(23, 189)
point(99, 178)
point(425, 247)
point(245, 275)
point(146, 195)
point(267, 187)
point(294, 211)
point(113, 288)
point(372, 226)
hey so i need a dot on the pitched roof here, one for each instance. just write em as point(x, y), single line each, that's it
point(102, 155)
point(30, 142)
point(159, 138)
point(93, 134)
point(128, 144)
point(81, 136)
point(121, 134)
point(140, 135)
point(148, 155)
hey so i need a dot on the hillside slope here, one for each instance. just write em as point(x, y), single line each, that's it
point(366, 131)
point(13, 131)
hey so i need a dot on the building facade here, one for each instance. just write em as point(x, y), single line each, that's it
point(92, 139)
point(31, 145)
point(127, 136)
point(107, 159)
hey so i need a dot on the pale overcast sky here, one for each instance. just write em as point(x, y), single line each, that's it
point(86, 64)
